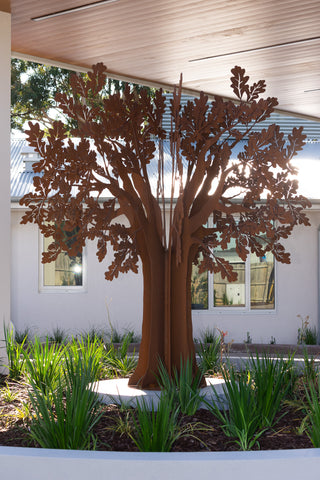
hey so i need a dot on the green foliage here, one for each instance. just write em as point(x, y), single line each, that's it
point(183, 389)
point(33, 90)
point(90, 352)
point(209, 336)
point(58, 336)
point(210, 356)
point(117, 360)
point(155, 431)
point(43, 364)
point(271, 383)
point(65, 418)
point(312, 406)
point(115, 336)
point(199, 288)
point(22, 336)
point(310, 371)
point(15, 354)
point(34, 87)
point(241, 421)
point(93, 334)
point(306, 335)
point(7, 394)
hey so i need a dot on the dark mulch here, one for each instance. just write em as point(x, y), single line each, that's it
point(207, 434)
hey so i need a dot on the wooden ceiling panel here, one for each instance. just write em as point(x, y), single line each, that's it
point(156, 41)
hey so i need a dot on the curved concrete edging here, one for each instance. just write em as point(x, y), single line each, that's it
point(118, 392)
point(37, 464)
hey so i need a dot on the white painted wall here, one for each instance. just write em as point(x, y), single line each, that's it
point(120, 300)
point(296, 293)
point(5, 52)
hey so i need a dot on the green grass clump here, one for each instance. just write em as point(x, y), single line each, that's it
point(312, 407)
point(65, 418)
point(210, 356)
point(241, 421)
point(272, 383)
point(118, 363)
point(15, 354)
point(90, 350)
point(155, 431)
point(43, 364)
point(183, 388)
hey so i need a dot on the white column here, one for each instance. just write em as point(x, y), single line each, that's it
point(5, 53)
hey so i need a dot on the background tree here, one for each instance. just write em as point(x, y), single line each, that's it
point(34, 87)
point(253, 199)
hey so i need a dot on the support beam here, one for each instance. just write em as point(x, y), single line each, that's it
point(5, 55)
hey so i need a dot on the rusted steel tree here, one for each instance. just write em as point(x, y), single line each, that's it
point(75, 179)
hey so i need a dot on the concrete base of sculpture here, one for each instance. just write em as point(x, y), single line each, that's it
point(117, 391)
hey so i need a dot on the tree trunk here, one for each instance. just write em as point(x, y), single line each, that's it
point(166, 334)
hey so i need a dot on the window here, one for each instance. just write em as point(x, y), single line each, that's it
point(66, 273)
point(253, 289)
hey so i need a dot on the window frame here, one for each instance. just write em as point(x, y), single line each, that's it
point(236, 310)
point(61, 288)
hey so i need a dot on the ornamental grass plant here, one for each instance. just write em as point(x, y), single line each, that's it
point(183, 388)
point(117, 360)
point(65, 418)
point(90, 351)
point(155, 430)
point(15, 351)
point(312, 408)
point(241, 421)
point(271, 385)
point(210, 356)
point(43, 365)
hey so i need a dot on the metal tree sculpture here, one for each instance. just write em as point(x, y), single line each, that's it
point(76, 177)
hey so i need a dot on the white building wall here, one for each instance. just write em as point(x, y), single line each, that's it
point(5, 52)
point(296, 294)
point(121, 300)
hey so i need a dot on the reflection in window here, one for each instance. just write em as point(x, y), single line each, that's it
point(199, 289)
point(65, 270)
point(262, 281)
point(230, 294)
point(254, 288)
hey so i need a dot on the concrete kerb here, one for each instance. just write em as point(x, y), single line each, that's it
point(117, 391)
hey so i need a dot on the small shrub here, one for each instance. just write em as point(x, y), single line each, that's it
point(7, 394)
point(310, 371)
point(58, 336)
point(117, 360)
point(312, 406)
point(90, 351)
point(210, 356)
point(208, 336)
point(22, 336)
point(271, 383)
point(43, 363)
point(241, 421)
point(65, 418)
point(306, 335)
point(15, 354)
point(183, 389)
point(155, 431)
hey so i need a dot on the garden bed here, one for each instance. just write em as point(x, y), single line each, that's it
point(207, 434)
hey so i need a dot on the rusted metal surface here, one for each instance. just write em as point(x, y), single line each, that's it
point(204, 182)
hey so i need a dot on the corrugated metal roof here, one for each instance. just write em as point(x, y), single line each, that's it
point(286, 123)
point(22, 181)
